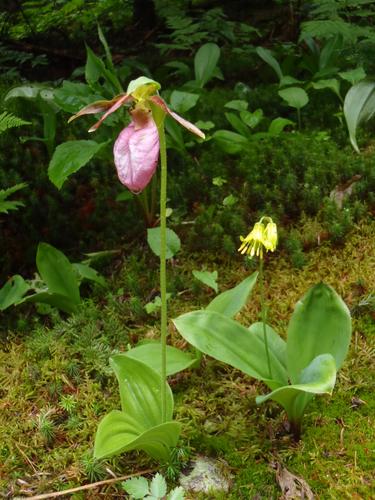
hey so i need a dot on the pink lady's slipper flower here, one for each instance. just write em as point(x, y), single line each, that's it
point(136, 150)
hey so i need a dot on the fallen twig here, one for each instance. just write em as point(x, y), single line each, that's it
point(85, 487)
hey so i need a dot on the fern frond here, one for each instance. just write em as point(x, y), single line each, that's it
point(328, 28)
point(8, 120)
point(5, 204)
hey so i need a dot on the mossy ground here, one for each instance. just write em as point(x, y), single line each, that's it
point(55, 383)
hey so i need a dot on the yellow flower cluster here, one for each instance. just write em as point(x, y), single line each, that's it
point(262, 236)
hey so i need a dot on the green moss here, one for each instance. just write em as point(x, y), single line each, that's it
point(55, 383)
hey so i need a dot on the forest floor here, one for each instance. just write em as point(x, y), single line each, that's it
point(55, 382)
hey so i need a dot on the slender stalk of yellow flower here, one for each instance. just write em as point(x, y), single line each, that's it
point(262, 236)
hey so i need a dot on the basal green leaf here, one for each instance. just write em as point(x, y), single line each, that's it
point(320, 324)
point(140, 391)
point(57, 272)
point(319, 377)
point(278, 124)
point(238, 125)
point(228, 341)
point(229, 141)
point(13, 291)
point(359, 107)
point(267, 57)
point(53, 299)
point(207, 278)
point(86, 272)
point(119, 432)
point(150, 354)
point(232, 301)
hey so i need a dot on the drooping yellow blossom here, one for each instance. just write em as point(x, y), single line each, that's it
point(262, 236)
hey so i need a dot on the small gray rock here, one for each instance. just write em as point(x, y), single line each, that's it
point(206, 475)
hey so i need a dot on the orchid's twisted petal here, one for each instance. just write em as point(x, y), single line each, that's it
point(189, 126)
point(136, 153)
point(101, 106)
point(116, 105)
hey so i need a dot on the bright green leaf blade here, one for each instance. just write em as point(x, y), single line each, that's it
point(320, 324)
point(70, 157)
point(119, 432)
point(207, 278)
point(158, 486)
point(25, 91)
point(319, 377)
point(278, 347)
point(137, 487)
point(57, 272)
point(252, 119)
point(228, 341)
point(237, 104)
point(154, 241)
point(294, 96)
point(53, 299)
point(238, 125)
point(359, 106)
point(287, 80)
point(88, 273)
point(232, 301)
point(71, 96)
point(150, 354)
point(278, 124)
point(267, 57)
point(13, 291)
point(331, 84)
point(182, 102)
point(140, 391)
point(229, 141)
point(353, 76)
point(205, 62)
point(176, 494)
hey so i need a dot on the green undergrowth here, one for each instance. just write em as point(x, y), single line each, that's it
point(55, 383)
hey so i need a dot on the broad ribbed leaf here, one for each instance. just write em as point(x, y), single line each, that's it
point(320, 324)
point(150, 354)
point(119, 432)
point(140, 391)
point(182, 102)
point(70, 157)
point(276, 345)
point(57, 272)
point(228, 341)
point(86, 272)
point(205, 62)
point(230, 142)
point(359, 106)
point(267, 57)
point(53, 299)
point(172, 240)
point(13, 291)
point(232, 301)
point(238, 125)
point(318, 378)
point(294, 96)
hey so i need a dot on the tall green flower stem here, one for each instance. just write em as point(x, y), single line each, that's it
point(264, 314)
point(159, 120)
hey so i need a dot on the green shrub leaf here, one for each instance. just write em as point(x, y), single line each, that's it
point(70, 157)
